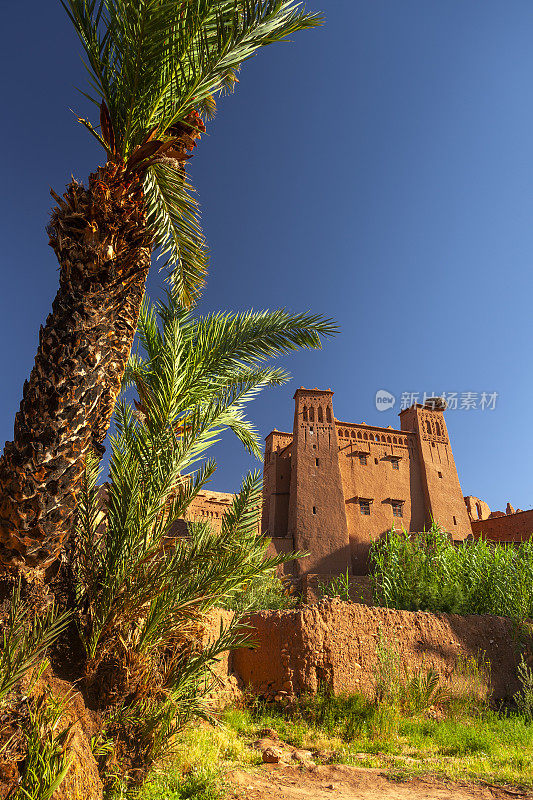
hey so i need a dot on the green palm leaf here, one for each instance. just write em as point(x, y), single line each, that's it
point(174, 217)
point(155, 68)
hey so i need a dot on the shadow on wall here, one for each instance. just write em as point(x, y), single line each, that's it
point(335, 643)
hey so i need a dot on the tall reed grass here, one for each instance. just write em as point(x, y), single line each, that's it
point(428, 572)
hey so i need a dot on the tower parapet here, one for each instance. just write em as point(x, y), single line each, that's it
point(317, 517)
point(440, 483)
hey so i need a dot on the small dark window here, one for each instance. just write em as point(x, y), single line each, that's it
point(362, 460)
point(376, 461)
point(316, 462)
point(433, 444)
point(314, 447)
point(440, 474)
point(314, 509)
point(311, 430)
point(397, 509)
point(364, 506)
point(395, 463)
point(454, 521)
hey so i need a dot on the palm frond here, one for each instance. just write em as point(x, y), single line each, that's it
point(152, 62)
point(173, 216)
point(149, 572)
point(25, 639)
point(154, 67)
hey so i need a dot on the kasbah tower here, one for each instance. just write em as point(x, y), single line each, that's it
point(331, 488)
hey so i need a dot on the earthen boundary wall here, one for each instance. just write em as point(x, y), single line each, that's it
point(333, 644)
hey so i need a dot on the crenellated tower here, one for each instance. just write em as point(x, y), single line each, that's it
point(440, 482)
point(317, 517)
point(276, 484)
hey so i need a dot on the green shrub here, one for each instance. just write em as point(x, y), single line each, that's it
point(524, 698)
point(25, 639)
point(338, 586)
point(46, 737)
point(265, 592)
point(428, 572)
point(424, 689)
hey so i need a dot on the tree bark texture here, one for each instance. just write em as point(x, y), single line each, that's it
point(103, 247)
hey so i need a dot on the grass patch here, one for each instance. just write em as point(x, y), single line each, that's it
point(202, 754)
point(490, 746)
point(415, 725)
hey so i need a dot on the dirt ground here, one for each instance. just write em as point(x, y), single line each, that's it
point(340, 782)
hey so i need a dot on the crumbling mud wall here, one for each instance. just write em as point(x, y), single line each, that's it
point(226, 688)
point(333, 644)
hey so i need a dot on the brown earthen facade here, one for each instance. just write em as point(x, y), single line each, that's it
point(332, 487)
point(514, 527)
point(334, 645)
point(209, 506)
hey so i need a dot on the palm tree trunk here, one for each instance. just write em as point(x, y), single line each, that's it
point(100, 237)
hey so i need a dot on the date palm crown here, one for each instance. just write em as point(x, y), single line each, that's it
point(155, 70)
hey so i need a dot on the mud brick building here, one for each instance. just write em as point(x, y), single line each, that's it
point(209, 506)
point(498, 526)
point(331, 487)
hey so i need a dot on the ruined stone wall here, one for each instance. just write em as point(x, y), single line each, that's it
point(333, 644)
point(476, 508)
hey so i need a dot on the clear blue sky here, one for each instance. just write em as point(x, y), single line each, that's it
point(378, 170)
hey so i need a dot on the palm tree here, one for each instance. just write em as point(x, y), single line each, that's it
point(141, 589)
point(155, 69)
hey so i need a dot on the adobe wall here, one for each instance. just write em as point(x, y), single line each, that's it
point(377, 479)
point(209, 506)
point(334, 644)
point(226, 687)
point(515, 527)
